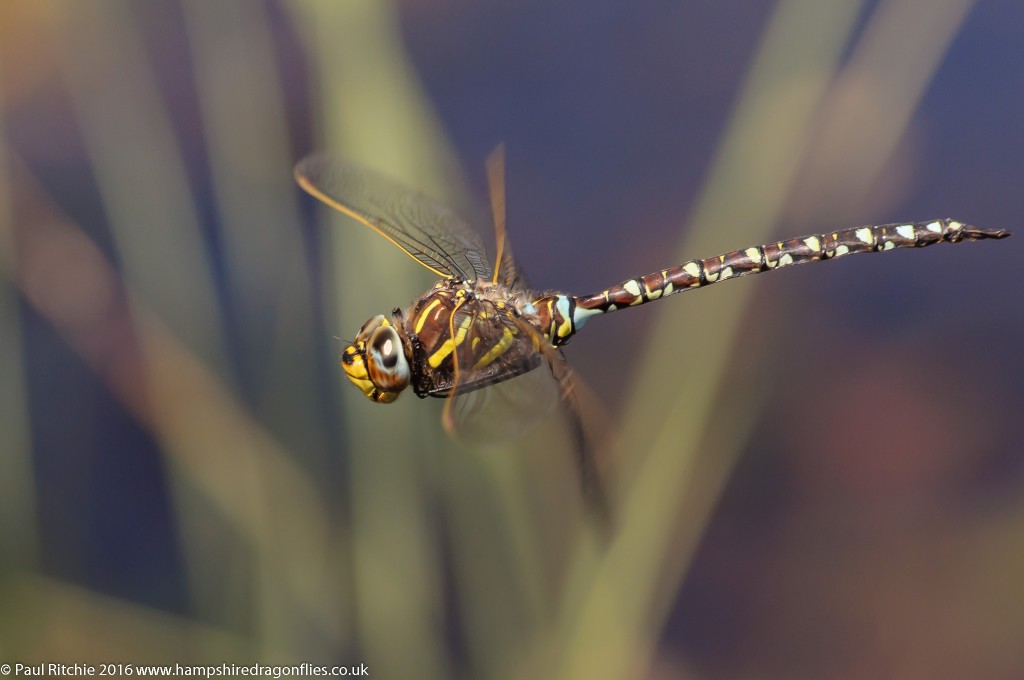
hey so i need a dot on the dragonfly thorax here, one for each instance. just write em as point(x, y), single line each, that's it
point(376, 363)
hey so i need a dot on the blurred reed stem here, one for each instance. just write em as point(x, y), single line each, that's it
point(242, 101)
point(18, 519)
point(142, 183)
point(61, 621)
point(373, 113)
point(152, 219)
point(242, 112)
point(869, 108)
point(137, 161)
point(230, 461)
point(787, 103)
point(613, 630)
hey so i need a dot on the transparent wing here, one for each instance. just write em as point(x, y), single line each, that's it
point(504, 411)
point(496, 352)
point(507, 271)
point(514, 402)
point(510, 274)
point(522, 382)
point(427, 231)
point(505, 378)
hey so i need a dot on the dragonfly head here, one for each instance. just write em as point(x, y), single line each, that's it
point(375, 362)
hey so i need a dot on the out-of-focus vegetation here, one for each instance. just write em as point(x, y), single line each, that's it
point(185, 477)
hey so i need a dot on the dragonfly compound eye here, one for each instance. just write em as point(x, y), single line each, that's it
point(370, 326)
point(386, 362)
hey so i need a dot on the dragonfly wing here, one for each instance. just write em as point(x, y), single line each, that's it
point(510, 274)
point(505, 411)
point(505, 379)
point(425, 230)
point(507, 271)
point(497, 351)
point(514, 403)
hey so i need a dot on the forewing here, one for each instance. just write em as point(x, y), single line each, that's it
point(524, 385)
point(425, 230)
point(499, 353)
point(508, 273)
point(505, 410)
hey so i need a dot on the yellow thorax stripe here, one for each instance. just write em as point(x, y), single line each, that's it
point(499, 348)
point(424, 314)
point(444, 350)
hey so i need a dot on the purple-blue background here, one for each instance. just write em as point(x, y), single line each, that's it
point(872, 526)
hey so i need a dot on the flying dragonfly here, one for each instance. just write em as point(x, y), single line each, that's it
point(480, 326)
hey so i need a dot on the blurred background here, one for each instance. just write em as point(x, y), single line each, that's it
point(815, 474)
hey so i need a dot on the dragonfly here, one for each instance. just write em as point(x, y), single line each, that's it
point(482, 325)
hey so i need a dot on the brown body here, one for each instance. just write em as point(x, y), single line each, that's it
point(476, 327)
point(476, 333)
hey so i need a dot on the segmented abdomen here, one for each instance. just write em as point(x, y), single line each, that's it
point(704, 272)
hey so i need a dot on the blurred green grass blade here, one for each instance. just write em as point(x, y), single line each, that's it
point(140, 170)
point(758, 163)
point(241, 98)
point(210, 438)
point(871, 105)
point(632, 587)
point(18, 521)
point(152, 218)
point(373, 107)
point(374, 113)
point(511, 510)
point(142, 182)
point(53, 622)
point(242, 104)
point(269, 504)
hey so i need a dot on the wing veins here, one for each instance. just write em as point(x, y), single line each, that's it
point(345, 210)
point(425, 230)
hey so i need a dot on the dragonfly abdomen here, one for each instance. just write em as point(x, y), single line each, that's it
point(704, 272)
